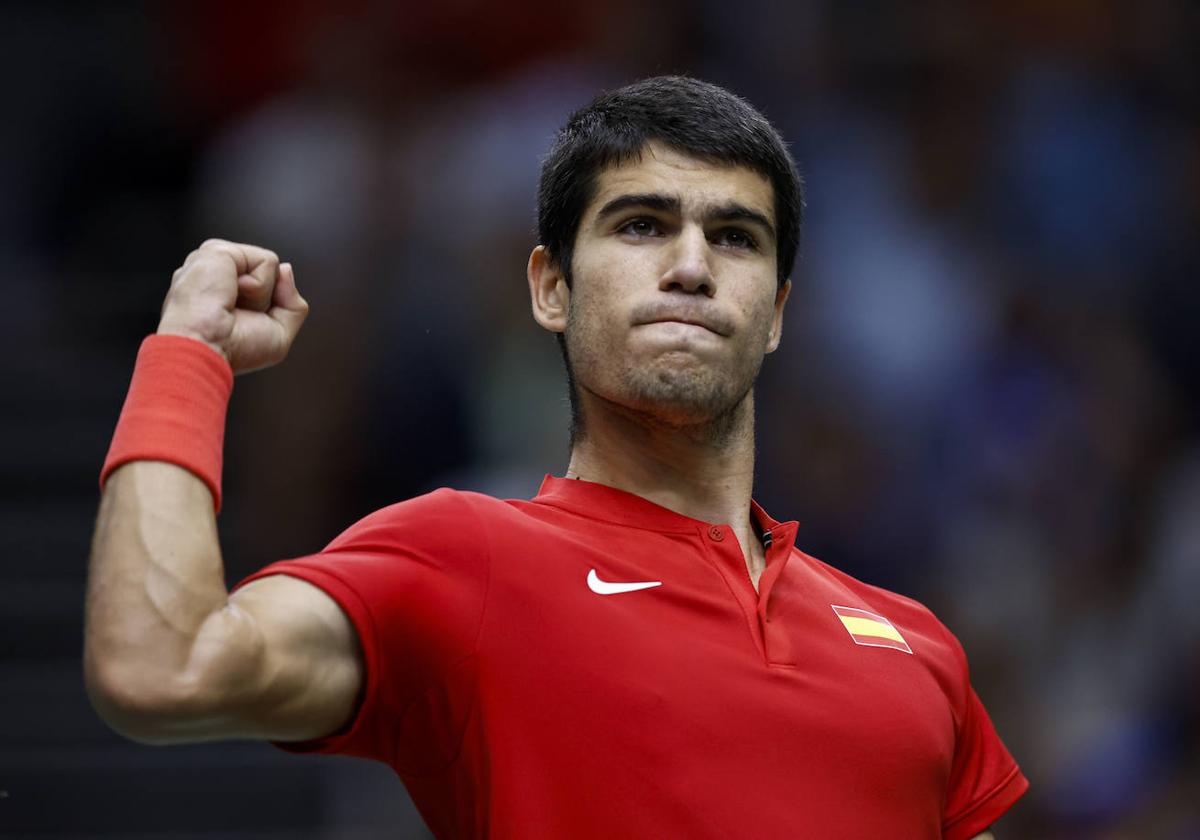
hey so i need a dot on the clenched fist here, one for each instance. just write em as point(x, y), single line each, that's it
point(239, 300)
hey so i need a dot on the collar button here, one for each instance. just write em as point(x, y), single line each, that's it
point(716, 533)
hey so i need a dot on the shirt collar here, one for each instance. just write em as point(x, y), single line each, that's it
point(608, 504)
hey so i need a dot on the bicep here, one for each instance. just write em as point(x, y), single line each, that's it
point(284, 661)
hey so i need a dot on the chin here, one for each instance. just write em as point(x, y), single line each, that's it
point(682, 397)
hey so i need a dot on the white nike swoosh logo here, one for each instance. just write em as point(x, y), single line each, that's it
point(604, 587)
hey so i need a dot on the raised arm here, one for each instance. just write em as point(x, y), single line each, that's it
point(169, 655)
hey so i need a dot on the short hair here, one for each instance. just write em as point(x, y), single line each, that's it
point(690, 116)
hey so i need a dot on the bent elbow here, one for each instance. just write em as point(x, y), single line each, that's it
point(134, 703)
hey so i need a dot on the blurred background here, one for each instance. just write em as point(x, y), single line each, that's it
point(987, 395)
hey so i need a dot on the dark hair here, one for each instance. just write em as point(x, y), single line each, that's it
point(688, 115)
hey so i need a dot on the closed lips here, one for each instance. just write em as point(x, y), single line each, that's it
point(709, 321)
point(682, 321)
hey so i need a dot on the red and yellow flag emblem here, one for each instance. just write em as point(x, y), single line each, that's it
point(867, 628)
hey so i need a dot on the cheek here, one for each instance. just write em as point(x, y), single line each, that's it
point(590, 329)
point(766, 320)
point(757, 316)
point(598, 304)
point(603, 273)
point(588, 313)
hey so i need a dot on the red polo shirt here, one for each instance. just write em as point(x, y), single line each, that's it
point(589, 664)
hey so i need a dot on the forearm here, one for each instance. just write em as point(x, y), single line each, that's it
point(167, 654)
point(155, 578)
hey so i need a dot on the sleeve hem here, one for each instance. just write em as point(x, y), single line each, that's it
point(985, 811)
point(362, 621)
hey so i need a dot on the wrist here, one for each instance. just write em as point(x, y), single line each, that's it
point(175, 409)
point(194, 335)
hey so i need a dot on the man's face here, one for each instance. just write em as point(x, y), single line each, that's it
point(674, 297)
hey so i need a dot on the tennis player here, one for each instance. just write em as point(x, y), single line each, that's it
point(638, 651)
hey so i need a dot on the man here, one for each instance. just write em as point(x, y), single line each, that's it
point(639, 651)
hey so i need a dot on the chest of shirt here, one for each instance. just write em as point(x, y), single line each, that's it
point(657, 646)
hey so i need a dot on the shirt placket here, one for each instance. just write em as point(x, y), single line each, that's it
point(766, 625)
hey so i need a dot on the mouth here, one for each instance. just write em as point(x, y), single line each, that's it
point(712, 325)
point(683, 322)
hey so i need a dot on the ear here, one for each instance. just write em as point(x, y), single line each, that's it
point(548, 292)
point(781, 297)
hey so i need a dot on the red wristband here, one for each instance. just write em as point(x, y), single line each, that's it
point(175, 410)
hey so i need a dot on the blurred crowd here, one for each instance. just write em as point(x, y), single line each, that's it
point(988, 391)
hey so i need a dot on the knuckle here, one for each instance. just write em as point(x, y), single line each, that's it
point(206, 258)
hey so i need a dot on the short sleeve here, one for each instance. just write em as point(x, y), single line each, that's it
point(412, 578)
point(984, 779)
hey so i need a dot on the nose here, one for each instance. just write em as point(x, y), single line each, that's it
point(689, 270)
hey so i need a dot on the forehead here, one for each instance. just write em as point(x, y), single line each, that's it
point(698, 183)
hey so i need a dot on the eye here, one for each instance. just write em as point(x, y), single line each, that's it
point(641, 227)
point(736, 238)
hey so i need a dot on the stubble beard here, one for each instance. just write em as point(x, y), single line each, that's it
point(700, 404)
point(704, 404)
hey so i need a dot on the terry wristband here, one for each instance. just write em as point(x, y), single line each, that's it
point(175, 410)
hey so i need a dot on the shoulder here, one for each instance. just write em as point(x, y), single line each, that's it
point(443, 514)
point(903, 607)
point(928, 636)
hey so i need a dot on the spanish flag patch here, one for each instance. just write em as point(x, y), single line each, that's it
point(867, 628)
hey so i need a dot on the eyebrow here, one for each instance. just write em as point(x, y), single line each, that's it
point(651, 201)
point(731, 211)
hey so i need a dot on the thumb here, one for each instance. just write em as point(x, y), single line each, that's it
point(288, 307)
point(254, 286)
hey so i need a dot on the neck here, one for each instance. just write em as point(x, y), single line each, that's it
point(700, 472)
